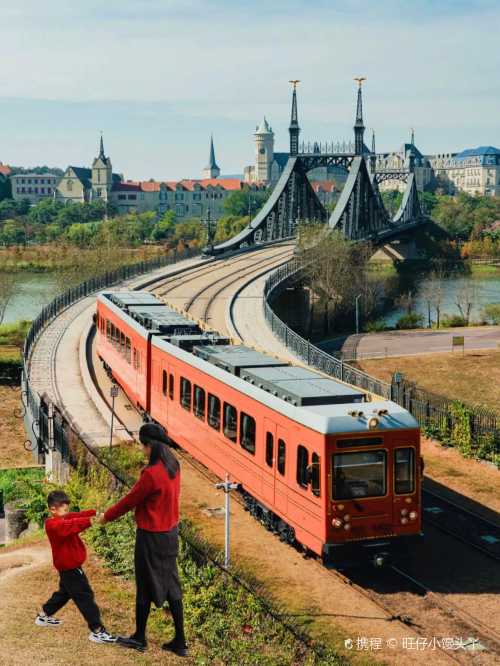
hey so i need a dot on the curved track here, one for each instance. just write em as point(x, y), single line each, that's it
point(203, 292)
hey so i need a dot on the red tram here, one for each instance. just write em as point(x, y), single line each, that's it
point(317, 461)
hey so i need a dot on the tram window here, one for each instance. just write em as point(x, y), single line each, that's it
point(247, 432)
point(230, 423)
point(269, 449)
point(171, 386)
point(316, 474)
point(164, 382)
point(122, 343)
point(112, 334)
point(302, 462)
point(128, 350)
point(404, 471)
point(186, 393)
point(213, 412)
point(108, 331)
point(359, 474)
point(199, 402)
point(281, 456)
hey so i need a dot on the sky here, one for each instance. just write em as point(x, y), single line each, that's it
point(159, 76)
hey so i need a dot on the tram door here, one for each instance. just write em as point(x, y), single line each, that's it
point(269, 462)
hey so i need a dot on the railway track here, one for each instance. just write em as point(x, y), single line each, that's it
point(468, 527)
point(167, 285)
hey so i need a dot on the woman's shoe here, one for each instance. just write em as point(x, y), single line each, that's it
point(132, 643)
point(180, 649)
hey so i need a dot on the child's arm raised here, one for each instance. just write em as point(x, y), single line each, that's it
point(80, 514)
point(64, 528)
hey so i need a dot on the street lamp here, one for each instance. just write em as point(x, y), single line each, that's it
point(357, 312)
point(210, 229)
point(114, 394)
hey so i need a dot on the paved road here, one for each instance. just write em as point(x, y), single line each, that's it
point(407, 343)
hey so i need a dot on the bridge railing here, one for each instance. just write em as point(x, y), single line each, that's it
point(445, 419)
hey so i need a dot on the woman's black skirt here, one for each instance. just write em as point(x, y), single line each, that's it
point(156, 575)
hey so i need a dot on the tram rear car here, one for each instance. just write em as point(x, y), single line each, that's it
point(318, 462)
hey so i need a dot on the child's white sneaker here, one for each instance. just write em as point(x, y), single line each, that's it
point(43, 620)
point(101, 636)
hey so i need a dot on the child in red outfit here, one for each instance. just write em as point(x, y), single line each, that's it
point(69, 554)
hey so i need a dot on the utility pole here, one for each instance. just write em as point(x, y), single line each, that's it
point(227, 486)
point(357, 312)
point(114, 394)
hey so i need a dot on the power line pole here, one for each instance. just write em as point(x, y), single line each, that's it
point(227, 486)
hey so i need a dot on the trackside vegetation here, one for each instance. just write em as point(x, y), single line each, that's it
point(228, 623)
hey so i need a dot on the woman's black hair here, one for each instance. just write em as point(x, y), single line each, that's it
point(156, 437)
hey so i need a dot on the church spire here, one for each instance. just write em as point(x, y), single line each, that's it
point(211, 170)
point(412, 139)
point(102, 156)
point(359, 127)
point(294, 128)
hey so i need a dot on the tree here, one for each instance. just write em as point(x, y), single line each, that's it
point(80, 234)
point(228, 226)
point(7, 290)
point(12, 233)
point(241, 202)
point(336, 270)
point(465, 297)
point(164, 228)
point(45, 212)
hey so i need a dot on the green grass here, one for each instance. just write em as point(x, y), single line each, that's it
point(14, 334)
point(485, 269)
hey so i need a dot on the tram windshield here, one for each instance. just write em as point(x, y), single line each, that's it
point(359, 474)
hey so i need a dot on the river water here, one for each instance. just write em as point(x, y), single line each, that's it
point(33, 291)
point(486, 290)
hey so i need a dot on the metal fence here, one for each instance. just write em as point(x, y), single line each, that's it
point(45, 425)
point(438, 414)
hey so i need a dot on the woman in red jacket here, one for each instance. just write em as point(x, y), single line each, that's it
point(155, 498)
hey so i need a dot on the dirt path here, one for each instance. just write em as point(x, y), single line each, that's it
point(27, 578)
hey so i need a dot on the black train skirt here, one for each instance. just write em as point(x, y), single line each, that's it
point(155, 559)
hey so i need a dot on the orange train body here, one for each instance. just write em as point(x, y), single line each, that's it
point(317, 460)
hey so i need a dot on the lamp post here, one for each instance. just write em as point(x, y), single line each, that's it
point(210, 229)
point(114, 394)
point(357, 312)
point(227, 486)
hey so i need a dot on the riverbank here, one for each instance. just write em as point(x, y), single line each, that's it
point(54, 257)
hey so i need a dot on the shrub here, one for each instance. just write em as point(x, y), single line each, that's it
point(491, 313)
point(12, 483)
point(376, 326)
point(449, 321)
point(410, 320)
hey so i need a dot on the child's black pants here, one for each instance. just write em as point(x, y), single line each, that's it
point(73, 584)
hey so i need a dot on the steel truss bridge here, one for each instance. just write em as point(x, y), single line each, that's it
point(359, 214)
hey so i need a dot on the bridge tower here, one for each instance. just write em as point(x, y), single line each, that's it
point(373, 156)
point(359, 128)
point(294, 128)
point(264, 151)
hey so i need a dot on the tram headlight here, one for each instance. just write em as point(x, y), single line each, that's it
point(336, 522)
point(404, 512)
point(347, 527)
point(373, 422)
point(404, 521)
point(347, 517)
point(413, 515)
